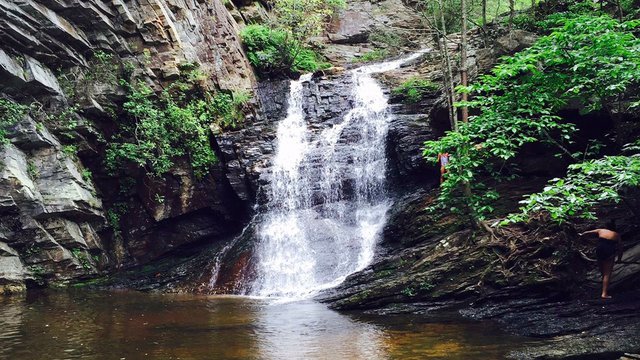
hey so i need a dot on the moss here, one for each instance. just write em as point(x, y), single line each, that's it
point(99, 281)
point(359, 297)
point(384, 273)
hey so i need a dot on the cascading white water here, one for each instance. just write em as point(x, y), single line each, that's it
point(327, 201)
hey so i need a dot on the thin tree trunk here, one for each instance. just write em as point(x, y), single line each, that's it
point(464, 111)
point(512, 13)
point(484, 13)
point(464, 81)
point(620, 14)
point(484, 21)
point(533, 8)
point(449, 73)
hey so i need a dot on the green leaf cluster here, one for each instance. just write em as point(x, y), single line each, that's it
point(590, 59)
point(163, 128)
point(373, 55)
point(452, 10)
point(304, 18)
point(10, 113)
point(276, 51)
point(586, 185)
point(281, 47)
point(77, 82)
point(414, 89)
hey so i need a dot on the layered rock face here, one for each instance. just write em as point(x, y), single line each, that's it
point(382, 25)
point(52, 211)
point(49, 213)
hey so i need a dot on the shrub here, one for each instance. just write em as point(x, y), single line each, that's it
point(587, 184)
point(273, 51)
point(414, 89)
point(373, 55)
point(304, 18)
point(163, 128)
point(78, 82)
point(70, 150)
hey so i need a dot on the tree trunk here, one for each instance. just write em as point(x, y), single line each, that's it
point(484, 14)
point(620, 14)
point(448, 71)
point(512, 13)
point(533, 8)
point(464, 111)
point(484, 22)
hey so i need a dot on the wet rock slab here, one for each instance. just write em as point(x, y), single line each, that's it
point(581, 329)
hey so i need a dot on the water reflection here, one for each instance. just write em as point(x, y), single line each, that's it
point(126, 325)
point(308, 330)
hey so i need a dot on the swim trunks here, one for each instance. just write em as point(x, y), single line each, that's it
point(605, 249)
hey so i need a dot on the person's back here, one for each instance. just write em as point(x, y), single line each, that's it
point(608, 234)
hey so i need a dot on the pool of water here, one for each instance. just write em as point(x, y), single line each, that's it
point(129, 325)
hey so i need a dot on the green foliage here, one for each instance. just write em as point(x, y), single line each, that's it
point(10, 113)
point(409, 291)
point(276, 51)
point(630, 8)
point(304, 18)
point(393, 40)
point(114, 216)
point(427, 286)
point(587, 184)
point(82, 258)
point(227, 110)
point(163, 128)
point(414, 89)
point(281, 47)
point(37, 270)
point(70, 150)
point(65, 120)
point(193, 73)
point(525, 21)
point(373, 55)
point(32, 170)
point(161, 131)
point(589, 59)
point(452, 10)
point(87, 175)
point(103, 68)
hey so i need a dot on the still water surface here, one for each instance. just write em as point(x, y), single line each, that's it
point(129, 325)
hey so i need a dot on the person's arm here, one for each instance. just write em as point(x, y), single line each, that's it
point(596, 231)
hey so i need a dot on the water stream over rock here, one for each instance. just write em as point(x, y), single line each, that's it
point(326, 196)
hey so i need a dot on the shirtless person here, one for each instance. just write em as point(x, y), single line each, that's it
point(609, 244)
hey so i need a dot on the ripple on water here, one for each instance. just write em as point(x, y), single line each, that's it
point(114, 325)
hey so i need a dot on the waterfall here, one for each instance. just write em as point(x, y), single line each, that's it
point(327, 199)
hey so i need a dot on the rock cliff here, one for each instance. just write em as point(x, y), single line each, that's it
point(53, 202)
